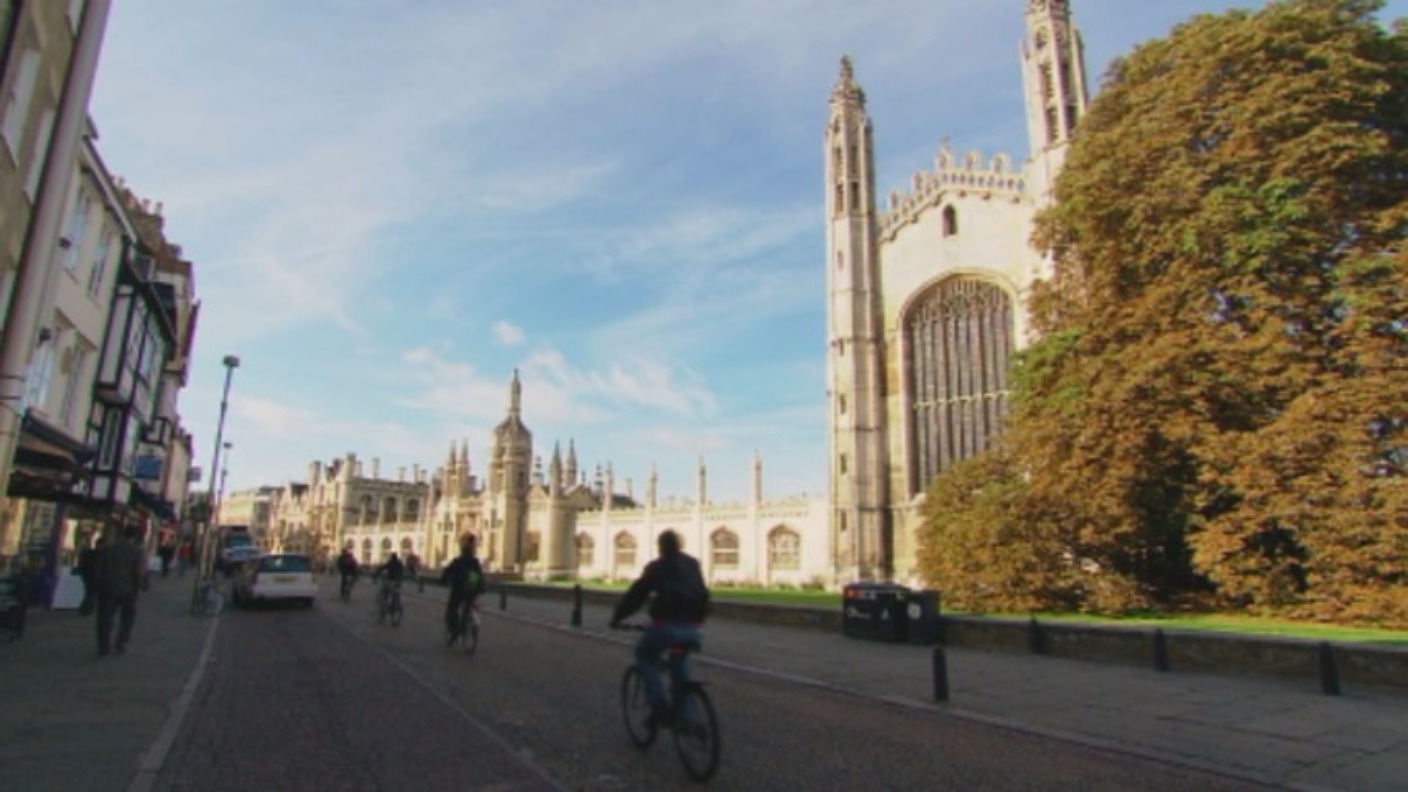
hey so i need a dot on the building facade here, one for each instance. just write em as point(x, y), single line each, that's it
point(926, 300)
point(544, 522)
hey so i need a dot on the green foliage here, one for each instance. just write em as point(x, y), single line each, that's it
point(1217, 404)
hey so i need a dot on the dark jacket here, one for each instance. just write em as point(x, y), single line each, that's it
point(464, 575)
point(118, 569)
point(392, 570)
point(678, 588)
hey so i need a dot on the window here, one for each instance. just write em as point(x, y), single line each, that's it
point(586, 550)
point(725, 549)
point(100, 261)
point(959, 341)
point(72, 240)
point(16, 106)
point(41, 371)
point(784, 549)
point(39, 155)
point(75, 369)
point(389, 510)
point(950, 221)
point(75, 14)
point(625, 551)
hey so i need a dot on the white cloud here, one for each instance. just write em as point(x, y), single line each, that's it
point(507, 333)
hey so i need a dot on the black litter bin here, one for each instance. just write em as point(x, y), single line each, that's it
point(875, 611)
point(922, 612)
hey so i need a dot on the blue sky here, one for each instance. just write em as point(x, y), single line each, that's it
point(391, 206)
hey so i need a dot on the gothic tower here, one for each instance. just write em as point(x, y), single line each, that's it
point(1053, 80)
point(507, 487)
point(855, 358)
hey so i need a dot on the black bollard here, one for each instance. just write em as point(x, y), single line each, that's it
point(503, 597)
point(1329, 675)
point(940, 674)
point(577, 605)
point(1160, 650)
point(1036, 640)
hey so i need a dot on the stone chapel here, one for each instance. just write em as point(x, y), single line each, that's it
point(926, 299)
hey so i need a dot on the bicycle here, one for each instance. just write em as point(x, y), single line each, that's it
point(208, 599)
point(389, 607)
point(466, 630)
point(692, 717)
point(348, 581)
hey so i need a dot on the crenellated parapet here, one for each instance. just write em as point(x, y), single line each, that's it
point(952, 176)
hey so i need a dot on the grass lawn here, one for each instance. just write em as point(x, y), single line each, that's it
point(1213, 622)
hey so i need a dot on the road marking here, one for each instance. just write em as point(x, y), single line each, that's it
point(155, 756)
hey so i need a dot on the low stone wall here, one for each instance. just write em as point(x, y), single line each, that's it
point(1331, 663)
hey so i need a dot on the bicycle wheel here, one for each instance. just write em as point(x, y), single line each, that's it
point(635, 709)
point(469, 632)
point(697, 734)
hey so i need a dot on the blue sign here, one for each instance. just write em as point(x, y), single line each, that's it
point(148, 467)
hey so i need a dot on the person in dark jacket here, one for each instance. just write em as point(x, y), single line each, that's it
point(87, 566)
point(118, 577)
point(679, 602)
point(464, 577)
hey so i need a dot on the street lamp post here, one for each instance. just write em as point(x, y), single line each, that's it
point(231, 362)
point(224, 474)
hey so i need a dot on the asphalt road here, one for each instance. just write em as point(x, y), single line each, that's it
point(328, 699)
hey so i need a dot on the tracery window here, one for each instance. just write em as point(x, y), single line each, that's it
point(958, 341)
point(625, 551)
point(586, 550)
point(725, 548)
point(784, 549)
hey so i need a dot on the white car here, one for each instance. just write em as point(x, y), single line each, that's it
point(280, 576)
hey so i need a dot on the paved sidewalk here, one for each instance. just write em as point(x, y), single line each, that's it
point(1278, 732)
point(71, 720)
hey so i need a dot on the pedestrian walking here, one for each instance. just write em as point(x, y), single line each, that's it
point(87, 563)
point(118, 576)
point(166, 551)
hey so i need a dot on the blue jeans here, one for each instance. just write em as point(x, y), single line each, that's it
point(653, 641)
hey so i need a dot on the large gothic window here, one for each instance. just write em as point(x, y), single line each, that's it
point(725, 548)
point(625, 551)
point(958, 340)
point(784, 548)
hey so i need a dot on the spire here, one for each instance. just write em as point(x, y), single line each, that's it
point(757, 477)
point(847, 92)
point(1053, 62)
point(464, 456)
point(515, 396)
point(569, 473)
point(702, 490)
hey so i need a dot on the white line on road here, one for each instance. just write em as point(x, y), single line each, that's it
point(155, 756)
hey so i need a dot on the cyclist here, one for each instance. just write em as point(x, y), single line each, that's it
point(678, 606)
point(394, 571)
point(464, 577)
point(347, 568)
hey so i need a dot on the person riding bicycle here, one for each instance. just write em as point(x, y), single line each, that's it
point(464, 577)
point(390, 574)
point(678, 607)
point(347, 567)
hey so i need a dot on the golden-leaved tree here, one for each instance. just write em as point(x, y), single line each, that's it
point(1218, 404)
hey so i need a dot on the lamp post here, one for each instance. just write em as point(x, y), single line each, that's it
point(224, 473)
point(231, 362)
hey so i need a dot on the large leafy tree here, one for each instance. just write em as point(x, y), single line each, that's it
point(1218, 399)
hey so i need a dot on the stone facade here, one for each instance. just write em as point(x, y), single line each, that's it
point(543, 524)
point(926, 300)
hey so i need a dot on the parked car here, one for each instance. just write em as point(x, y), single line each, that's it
point(279, 576)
